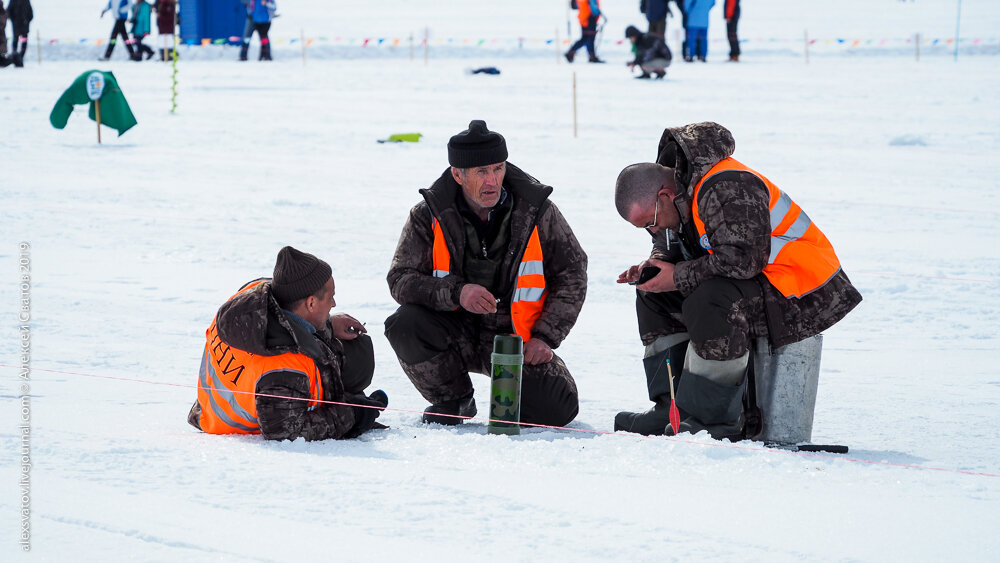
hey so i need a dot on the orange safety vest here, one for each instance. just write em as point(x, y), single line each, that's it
point(584, 14)
point(227, 382)
point(802, 259)
point(529, 291)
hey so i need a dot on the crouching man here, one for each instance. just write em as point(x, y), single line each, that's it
point(274, 353)
point(486, 253)
point(735, 259)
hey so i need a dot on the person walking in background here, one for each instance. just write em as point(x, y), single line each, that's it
point(166, 25)
point(20, 15)
point(261, 12)
point(651, 52)
point(141, 16)
point(247, 30)
point(121, 9)
point(697, 28)
point(732, 14)
point(4, 61)
point(589, 12)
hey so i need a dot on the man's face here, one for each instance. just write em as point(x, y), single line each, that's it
point(318, 306)
point(656, 216)
point(481, 185)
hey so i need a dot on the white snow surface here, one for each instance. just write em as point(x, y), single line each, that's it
point(135, 243)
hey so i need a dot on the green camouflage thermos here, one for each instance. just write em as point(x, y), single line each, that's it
point(505, 394)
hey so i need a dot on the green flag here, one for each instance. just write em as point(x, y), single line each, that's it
point(115, 112)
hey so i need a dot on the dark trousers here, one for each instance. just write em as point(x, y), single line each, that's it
point(438, 350)
point(588, 37)
point(140, 48)
point(721, 316)
point(119, 31)
point(265, 43)
point(658, 27)
point(734, 41)
point(359, 364)
point(20, 42)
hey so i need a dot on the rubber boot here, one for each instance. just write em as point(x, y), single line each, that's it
point(450, 413)
point(654, 421)
point(712, 394)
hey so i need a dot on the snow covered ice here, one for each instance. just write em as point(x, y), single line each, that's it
point(135, 243)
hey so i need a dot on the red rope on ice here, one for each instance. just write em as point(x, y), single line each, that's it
point(730, 446)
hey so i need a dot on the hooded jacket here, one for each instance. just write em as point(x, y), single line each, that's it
point(648, 47)
point(253, 322)
point(734, 208)
point(20, 13)
point(410, 276)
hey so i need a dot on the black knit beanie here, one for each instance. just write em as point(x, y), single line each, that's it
point(298, 275)
point(632, 31)
point(476, 146)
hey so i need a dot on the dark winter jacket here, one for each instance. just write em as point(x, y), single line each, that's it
point(734, 208)
point(655, 10)
point(253, 322)
point(19, 13)
point(649, 46)
point(411, 281)
point(166, 16)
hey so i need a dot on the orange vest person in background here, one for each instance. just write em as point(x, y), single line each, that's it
point(590, 12)
point(275, 360)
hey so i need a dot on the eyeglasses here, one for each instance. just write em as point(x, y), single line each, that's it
point(655, 212)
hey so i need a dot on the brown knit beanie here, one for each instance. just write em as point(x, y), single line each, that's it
point(476, 146)
point(298, 275)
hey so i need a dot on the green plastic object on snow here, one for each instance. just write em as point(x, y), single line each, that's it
point(402, 138)
point(505, 392)
point(90, 87)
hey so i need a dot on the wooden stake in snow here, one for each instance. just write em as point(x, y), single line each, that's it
point(97, 109)
point(303, 31)
point(916, 40)
point(411, 46)
point(574, 104)
point(558, 50)
point(38, 45)
point(427, 34)
point(806, 36)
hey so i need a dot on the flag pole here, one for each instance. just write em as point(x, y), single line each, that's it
point(97, 107)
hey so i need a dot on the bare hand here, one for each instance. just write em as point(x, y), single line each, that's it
point(346, 327)
point(477, 299)
point(537, 352)
point(632, 274)
point(664, 281)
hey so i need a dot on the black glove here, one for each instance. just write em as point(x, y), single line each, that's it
point(364, 416)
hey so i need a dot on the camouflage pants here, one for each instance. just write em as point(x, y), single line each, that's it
point(722, 316)
point(438, 350)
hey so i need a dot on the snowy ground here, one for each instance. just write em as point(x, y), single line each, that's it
point(135, 243)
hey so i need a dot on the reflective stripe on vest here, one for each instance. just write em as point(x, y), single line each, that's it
point(529, 290)
point(802, 260)
point(228, 382)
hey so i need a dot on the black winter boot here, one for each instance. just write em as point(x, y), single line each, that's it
point(243, 51)
point(451, 413)
point(655, 420)
point(712, 392)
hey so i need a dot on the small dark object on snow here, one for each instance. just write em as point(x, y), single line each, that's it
point(485, 70)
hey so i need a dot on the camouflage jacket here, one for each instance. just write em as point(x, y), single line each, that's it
point(411, 282)
point(735, 211)
point(253, 322)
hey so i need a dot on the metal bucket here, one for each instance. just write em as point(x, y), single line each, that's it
point(786, 389)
